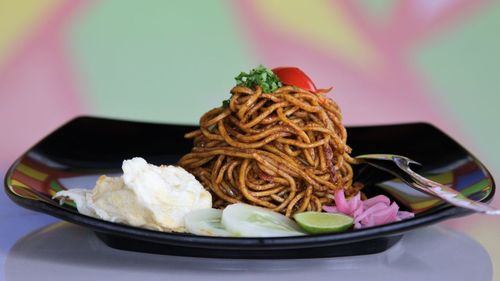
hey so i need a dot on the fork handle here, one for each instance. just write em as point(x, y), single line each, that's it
point(447, 194)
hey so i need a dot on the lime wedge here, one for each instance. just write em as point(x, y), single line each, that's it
point(318, 223)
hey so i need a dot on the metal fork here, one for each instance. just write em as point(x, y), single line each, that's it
point(420, 183)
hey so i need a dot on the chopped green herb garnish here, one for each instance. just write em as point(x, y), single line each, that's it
point(260, 76)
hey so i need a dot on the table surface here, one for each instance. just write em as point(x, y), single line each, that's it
point(38, 247)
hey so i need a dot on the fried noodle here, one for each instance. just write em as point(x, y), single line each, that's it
point(285, 150)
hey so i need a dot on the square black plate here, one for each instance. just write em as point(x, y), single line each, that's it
point(89, 146)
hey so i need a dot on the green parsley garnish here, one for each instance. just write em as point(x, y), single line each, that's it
point(260, 76)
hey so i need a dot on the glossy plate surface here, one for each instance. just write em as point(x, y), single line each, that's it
point(83, 149)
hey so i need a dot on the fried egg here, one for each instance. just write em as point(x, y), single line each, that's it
point(148, 196)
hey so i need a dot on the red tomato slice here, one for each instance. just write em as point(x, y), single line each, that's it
point(293, 76)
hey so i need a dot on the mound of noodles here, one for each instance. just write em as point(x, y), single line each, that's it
point(285, 150)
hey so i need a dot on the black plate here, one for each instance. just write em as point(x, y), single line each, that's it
point(88, 146)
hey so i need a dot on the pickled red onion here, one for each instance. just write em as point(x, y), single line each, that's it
point(371, 212)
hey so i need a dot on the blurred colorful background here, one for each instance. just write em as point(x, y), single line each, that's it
point(169, 61)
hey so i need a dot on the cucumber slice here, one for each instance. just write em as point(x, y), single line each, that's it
point(251, 221)
point(205, 222)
